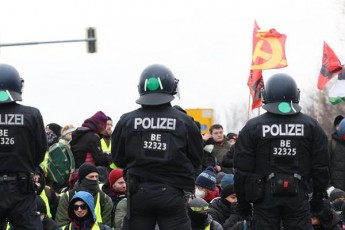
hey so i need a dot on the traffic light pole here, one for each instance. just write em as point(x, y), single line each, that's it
point(91, 41)
point(48, 42)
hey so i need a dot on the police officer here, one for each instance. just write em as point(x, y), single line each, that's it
point(160, 148)
point(280, 157)
point(23, 146)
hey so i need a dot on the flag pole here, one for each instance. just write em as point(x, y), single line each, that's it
point(248, 106)
point(318, 106)
point(259, 111)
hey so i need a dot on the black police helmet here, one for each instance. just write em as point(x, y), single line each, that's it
point(11, 84)
point(157, 85)
point(281, 95)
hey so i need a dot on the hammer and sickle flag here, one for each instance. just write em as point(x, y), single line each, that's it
point(268, 49)
point(255, 84)
point(331, 66)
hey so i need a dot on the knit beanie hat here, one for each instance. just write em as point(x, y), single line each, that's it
point(114, 175)
point(227, 191)
point(336, 193)
point(207, 179)
point(219, 177)
point(227, 179)
point(85, 169)
point(97, 121)
point(99, 117)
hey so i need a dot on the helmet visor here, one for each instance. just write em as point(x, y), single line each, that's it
point(155, 99)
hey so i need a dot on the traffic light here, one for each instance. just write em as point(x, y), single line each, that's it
point(91, 40)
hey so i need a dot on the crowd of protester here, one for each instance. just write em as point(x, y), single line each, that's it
point(95, 194)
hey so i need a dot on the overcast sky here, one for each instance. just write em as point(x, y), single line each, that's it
point(206, 43)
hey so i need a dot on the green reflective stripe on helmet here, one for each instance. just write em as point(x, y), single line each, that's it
point(152, 84)
point(199, 209)
point(284, 107)
point(4, 95)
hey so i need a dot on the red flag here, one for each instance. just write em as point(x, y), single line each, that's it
point(255, 84)
point(331, 66)
point(268, 49)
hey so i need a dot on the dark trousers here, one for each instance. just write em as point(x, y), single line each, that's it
point(156, 203)
point(18, 207)
point(293, 212)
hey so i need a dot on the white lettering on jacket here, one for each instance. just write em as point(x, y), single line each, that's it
point(155, 123)
point(11, 119)
point(283, 130)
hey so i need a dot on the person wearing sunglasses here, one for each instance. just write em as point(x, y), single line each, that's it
point(81, 213)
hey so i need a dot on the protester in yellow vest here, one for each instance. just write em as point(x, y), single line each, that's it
point(200, 219)
point(106, 140)
point(81, 213)
point(88, 182)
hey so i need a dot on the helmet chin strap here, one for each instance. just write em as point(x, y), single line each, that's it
point(293, 107)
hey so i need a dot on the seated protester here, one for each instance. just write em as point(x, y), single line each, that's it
point(66, 134)
point(326, 218)
point(88, 182)
point(219, 147)
point(48, 195)
point(120, 213)
point(200, 219)
point(231, 138)
point(207, 158)
point(86, 144)
point(205, 185)
point(81, 213)
point(115, 188)
point(225, 207)
point(337, 198)
point(53, 132)
point(48, 223)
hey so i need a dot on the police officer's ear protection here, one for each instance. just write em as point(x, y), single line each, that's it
point(21, 85)
point(175, 87)
point(263, 95)
point(298, 96)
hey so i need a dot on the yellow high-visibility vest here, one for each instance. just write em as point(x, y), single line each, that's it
point(44, 197)
point(94, 227)
point(107, 149)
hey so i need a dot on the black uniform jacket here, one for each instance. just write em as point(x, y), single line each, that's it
point(158, 143)
point(283, 144)
point(23, 140)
